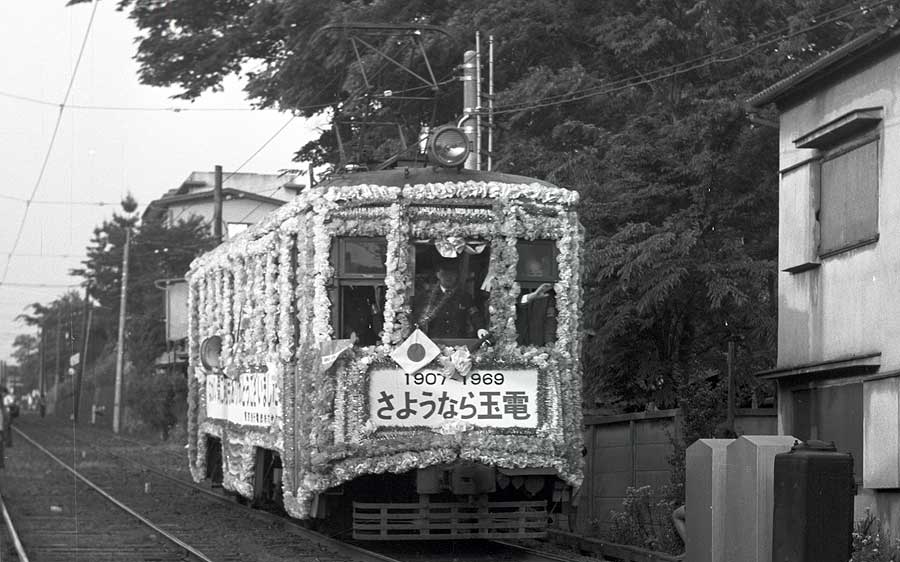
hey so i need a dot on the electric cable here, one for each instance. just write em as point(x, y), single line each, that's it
point(62, 107)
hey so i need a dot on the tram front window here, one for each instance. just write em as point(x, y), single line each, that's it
point(536, 274)
point(362, 313)
point(449, 302)
point(357, 296)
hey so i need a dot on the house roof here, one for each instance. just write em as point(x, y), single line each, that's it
point(848, 56)
point(199, 187)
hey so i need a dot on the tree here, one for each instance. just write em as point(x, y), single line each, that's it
point(157, 252)
point(61, 327)
point(637, 105)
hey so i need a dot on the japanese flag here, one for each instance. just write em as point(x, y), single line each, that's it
point(416, 352)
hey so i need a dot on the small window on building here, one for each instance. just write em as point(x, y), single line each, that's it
point(849, 165)
point(232, 229)
point(536, 274)
point(848, 196)
point(357, 297)
point(448, 300)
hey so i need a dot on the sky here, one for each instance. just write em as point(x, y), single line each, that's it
point(100, 155)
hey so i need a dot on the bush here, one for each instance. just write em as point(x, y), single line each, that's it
point(645, 522)
point(872, 543)
point(154, 399)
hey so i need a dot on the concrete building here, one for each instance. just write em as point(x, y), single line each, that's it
point(838, 368)
point(246, 198)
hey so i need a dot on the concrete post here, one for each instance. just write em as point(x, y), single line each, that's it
point(749, 498)
point(705, 493)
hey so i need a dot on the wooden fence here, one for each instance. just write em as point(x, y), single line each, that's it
point(634, 450)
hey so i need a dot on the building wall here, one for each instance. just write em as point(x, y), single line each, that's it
point(847, 305)
point(828, 312)
point(233, 210)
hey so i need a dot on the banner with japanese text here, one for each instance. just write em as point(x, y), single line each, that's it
point(488, 398)
point(250, 399)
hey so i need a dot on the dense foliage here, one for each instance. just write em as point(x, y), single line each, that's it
point(638, 105)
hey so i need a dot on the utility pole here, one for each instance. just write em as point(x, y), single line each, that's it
point(120, 348)
point(59, 321)
point(41, 383)
point(470, 100)
point(85, 337)
point(730, 367)
point(217, 205)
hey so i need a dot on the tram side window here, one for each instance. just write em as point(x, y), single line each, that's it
point(448, 301)
point(536, 274)
point(357, 296)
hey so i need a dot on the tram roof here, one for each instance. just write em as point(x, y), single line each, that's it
point(431, 185)
point(400, 177)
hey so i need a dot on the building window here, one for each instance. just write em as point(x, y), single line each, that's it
point(848, 195)
point(232, 229)
point(848, 169)
point(536, 274)
point(448, 300)
point(357, 295)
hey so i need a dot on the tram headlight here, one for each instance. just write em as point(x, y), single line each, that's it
point(210, 353)
point(449, 146)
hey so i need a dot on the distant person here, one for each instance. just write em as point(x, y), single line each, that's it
point(4, 425)
point(10, 410)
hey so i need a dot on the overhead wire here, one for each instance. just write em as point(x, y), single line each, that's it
point(62, 107)
point(558, 99)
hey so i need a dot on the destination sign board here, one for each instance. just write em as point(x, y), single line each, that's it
point(250, 399)
point(488, 398)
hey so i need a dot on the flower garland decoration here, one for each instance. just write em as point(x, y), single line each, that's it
point(323, 271)
point(271, 301)
point(325, 432)
point(397, 280)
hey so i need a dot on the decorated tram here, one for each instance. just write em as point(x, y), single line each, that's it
point(398, 352)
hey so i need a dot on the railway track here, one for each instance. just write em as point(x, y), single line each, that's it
point(61, 515)
point(173, 519)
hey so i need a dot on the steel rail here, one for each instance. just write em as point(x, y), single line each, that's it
point(20, 550)
point(361, 554)
point(116, 502)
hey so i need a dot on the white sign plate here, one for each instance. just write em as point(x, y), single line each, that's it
point(252, 399)
point(488, 398)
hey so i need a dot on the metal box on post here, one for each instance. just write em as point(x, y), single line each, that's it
point(813, 514)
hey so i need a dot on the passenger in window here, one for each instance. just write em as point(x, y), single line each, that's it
point(447, 310)
point(536, 316)
point(363, 313)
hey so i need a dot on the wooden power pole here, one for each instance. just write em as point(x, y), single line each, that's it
point(217, 205)
point(120, 348)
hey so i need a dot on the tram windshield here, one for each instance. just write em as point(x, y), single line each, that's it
point(358, 295)
point(536, 274)
point(449, 302)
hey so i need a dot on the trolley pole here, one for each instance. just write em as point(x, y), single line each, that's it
point(120, 347)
